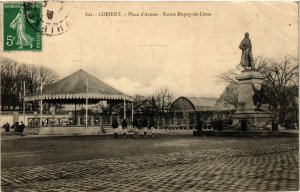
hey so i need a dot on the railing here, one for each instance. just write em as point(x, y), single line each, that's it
point(67, 121)
point(33, 113)
point(106, 120)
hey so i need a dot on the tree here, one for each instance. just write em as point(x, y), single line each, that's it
point(13, 76)
point(163, 100)
point(228, 77)
point(154, 106)
point(229, 98)
point(281, 80)
point(139, 104)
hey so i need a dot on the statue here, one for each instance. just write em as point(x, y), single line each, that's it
point(247, 58)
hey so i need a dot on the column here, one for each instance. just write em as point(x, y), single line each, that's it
point(124, 109)
point(78, 120)
point(132, 112)
point(41, 114)
point(86, 112)
point(92, 120)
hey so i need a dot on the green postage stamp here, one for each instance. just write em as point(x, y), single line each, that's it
point(22, 26)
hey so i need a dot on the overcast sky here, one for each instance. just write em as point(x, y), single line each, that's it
point(144, 54)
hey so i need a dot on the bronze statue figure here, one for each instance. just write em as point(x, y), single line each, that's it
point(247, 58)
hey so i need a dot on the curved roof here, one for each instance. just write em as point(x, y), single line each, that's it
point(201, 103)
point(193, 104)
point(77, 86)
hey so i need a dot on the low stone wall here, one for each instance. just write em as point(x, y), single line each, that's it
point(70, 130)
point(31, 130)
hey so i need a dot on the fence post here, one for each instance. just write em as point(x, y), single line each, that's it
point(244, 125)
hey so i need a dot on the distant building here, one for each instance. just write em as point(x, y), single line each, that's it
point(186, 110)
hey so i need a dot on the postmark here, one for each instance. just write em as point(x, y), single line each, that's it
point(18, 33)
point(54, 19)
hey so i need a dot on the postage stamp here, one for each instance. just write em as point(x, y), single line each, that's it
point(22, 26)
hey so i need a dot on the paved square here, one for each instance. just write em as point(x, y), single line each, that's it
point(169, 164)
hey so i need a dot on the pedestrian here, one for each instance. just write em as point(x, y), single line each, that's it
point(115, 125)
point(17, 128)
point(6, 126)
point(124, 127)
point(152, 127)
point(135, 127)
point(22, 127)
point(199, 125)
point(145, 125)
point(140, 126)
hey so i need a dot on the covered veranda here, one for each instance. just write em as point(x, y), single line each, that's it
point(79, 89)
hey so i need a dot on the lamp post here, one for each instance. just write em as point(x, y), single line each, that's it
point(131, 112)
point(24, 102)
point(86, 105)
point(124, 109)
point(41, 109)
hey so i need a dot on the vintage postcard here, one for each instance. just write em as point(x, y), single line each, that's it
point(149, 96)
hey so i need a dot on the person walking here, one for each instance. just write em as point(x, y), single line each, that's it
point(135, 127)
point(152, 127)
point(124, 127)
point(6, 126)
point(22, 127)
point(17, 128)
point(115, 125)
point(145, 125)
point(140, 126)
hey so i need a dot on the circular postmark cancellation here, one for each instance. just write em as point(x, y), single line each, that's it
point(53, 20)
point(32, 13)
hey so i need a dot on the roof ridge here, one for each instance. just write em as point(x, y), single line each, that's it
point(75, 83)
point(202, 97)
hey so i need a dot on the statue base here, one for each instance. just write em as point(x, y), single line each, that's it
point(246, 109)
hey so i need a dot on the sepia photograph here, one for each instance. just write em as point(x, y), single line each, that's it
point(149, 96)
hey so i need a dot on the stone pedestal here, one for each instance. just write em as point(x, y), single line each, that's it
point(246, 108)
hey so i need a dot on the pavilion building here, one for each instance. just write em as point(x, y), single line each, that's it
point(78, 89)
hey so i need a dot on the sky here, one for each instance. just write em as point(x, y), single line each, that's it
point(142, 54)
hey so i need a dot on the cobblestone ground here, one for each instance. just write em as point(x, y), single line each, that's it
point(255, 167)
